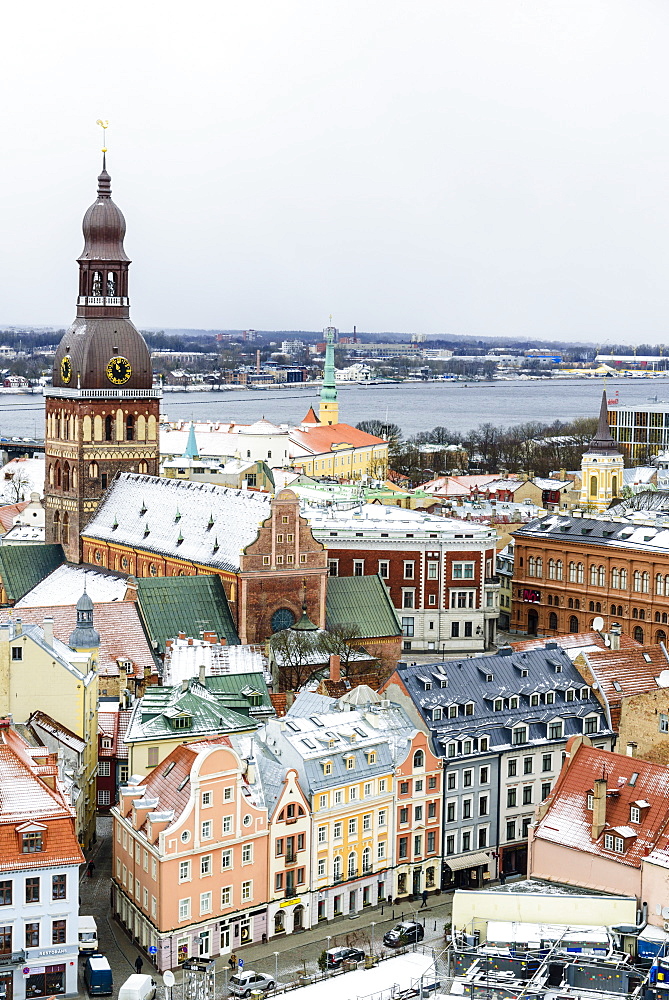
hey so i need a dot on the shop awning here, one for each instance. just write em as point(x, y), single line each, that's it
point(468, 861)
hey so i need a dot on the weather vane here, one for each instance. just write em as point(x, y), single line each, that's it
point(104, 125)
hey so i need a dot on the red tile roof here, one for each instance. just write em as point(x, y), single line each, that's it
point(9, 511)
point(568, 821)
point(625, 672)
point(27, 801)
point(118, 624)
point(311, 417)
point(114, 725)
point(575, 639)
point(325, 437)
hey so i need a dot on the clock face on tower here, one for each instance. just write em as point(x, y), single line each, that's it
point(66, 369)
point(119, 370)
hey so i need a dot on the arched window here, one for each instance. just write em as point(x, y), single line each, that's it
point(577, 604)
point(598, 607)
point(93, 470)
point(141, 427)
point(642, 614)
point(281, 619)
point(111, 283)
point(66, 477)
point(109, 427)
point(558, 569)
point(591, 606)
point(658, 617)
point(660, 635)
point(645, 583)
point(614, 486)
point(50, 474)
point(613, 609)
point(637, 581)
point(666, 585)
point(550, 598)
point(593, 486)
point(570, 602)
point(615, 578)
point(352, 864)
point(623, 579)
point(620, 610)
point(556, 600)
point(553, 621)
point(635, 613)
point(572, 572)
point(573, 624)
point(65, 530)
point(580, 573)
point(531, 566)
point(593, 576)
point(551, 569)
point(130, 427)
point(540, 566)
point(367, 860)
point(96, 286)
point(601, 577)
point(336, 868)
point(665, 618)
point(419, 759)
point(279, 922)
point(659, 585)
point(143, 468)
point(638, 634)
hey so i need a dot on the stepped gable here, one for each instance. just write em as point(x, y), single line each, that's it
point(196, 522)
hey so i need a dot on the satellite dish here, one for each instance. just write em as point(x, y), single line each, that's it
point(168, 979)
point(598, 623)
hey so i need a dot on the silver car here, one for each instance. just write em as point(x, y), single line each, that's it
point(242, 984)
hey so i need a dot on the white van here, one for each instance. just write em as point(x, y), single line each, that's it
point(137, 987)
point(88, 935)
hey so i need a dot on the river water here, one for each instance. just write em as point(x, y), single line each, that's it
point(414, 406)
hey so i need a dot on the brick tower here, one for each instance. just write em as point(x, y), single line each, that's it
point(101, 411)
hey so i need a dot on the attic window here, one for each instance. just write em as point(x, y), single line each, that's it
point(524, 672)
point(31, 842)
point(327, 767)
point(647, 657)
point(635, 814)
point(293, 725)
point(488, 677)
point(182, 722)
point(316, 721)
point(617, 686)
point(182, 784)
point(309, 744)
point(633, 778)
point(143, 509)
point(168, 768)
point(106, 743)
point(590, 800)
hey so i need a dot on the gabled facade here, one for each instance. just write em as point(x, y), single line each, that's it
point(190, 856)
point(500, 724)
point(39, 874)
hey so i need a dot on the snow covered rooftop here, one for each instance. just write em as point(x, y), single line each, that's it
point(66, 585)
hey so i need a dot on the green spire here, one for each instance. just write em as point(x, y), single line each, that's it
point(329, 387)
point(191, 445)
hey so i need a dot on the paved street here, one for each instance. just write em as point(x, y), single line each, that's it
point(296, 952)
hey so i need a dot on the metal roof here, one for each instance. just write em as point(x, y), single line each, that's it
point(363, 601)
point(191, 604)
point(22, 567)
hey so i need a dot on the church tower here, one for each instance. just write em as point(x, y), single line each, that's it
point(601, 467)
point(102, 410)
point(328, 411)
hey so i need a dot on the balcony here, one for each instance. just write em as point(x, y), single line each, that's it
point(290, 892)
point(291, 857)
point(53, 391)
point(102, 300)
point(493, 581)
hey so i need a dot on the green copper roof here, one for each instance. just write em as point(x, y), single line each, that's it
point(22, 567)
point(169, 712)
point(362, 601)
point(191, 445)
point(304, 624)
point(191, 604)
point(245, 693)
point(329, 386)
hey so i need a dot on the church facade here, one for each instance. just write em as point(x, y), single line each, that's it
point(101, 410)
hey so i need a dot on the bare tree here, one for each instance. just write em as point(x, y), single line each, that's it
point(17, 488)
point(341, 640)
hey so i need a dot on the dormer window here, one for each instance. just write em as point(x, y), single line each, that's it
point(513, 702)
point(616, 844)
point(590, 800)
point(182, 722)
point(635, 814)
point(327, 767)
point(436, 714)
point(519, 735)
point(498, 705)
point(106, 743)
point(452, 711)
point(549, 697)
point(350, 763)
point(32, 842)
point(371, 757)
point(469, 708)
point(555, 730)
point(534, 700)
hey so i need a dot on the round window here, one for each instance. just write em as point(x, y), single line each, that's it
point(283, 618)
point(98, 556)
point(124, 562)
point(185, 836)
point(248, 819)
point(153, 569)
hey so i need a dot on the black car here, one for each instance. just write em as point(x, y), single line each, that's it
point(336, 956)
point(408, 932)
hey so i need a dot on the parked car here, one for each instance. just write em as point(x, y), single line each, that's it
point(138, 987)
point(336, 956)
point(242, 984)
point(98, 976)
point(408, 932)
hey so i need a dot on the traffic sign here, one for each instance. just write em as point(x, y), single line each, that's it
point(168, 978)
point(240, 963)
point(152, 949)
point(25, 970)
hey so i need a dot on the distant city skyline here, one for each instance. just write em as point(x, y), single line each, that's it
point(490, 170)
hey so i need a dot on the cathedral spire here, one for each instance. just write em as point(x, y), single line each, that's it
point(602, 441)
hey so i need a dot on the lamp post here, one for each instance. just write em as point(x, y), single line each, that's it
point(276, 968)
point(373, 925)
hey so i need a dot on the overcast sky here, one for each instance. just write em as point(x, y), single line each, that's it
point(483, 167)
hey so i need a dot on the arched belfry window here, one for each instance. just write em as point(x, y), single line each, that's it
point(130, 427)
point(96, 285)
point(111, 283)
point(593, 486)
point(109, 427)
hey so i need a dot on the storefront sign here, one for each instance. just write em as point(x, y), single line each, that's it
point(533, 596)
point(290, 902)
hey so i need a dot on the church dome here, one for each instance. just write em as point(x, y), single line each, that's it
point(92, 345)
point(104, 226)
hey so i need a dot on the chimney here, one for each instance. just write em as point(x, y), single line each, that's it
point(47, 629)
point(203, 681)
point(190, 640)
point(614, 635)
point(181, 635)
point(599, 808)
point(335, 667)
point(631, 749)
point(184, 685)
point(18, 627)
point(130, 589)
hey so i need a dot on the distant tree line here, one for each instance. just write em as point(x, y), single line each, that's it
point(534, 448)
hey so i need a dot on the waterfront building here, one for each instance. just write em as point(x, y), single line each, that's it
point(39, 946)
point(38, 670)
point(440, 572)
point(101, 410)
point(190, 855)
point(640, 431)
point(500, 724)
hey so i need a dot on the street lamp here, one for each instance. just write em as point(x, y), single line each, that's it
point(276, 968)
point(373, 925)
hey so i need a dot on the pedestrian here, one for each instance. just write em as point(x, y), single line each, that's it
point(138, 965)
point(233, 959)
point(231, 963)
point(91, 869)
point(424, 898)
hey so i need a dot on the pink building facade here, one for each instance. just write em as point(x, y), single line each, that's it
point(190, 849)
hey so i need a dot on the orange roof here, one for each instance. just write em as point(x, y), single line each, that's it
point(311, 417)
point(27, 802)
point(625, 672)
point(9, 512)
point(573, 640)
point(630, 782)
point(328, 437)
point(114, 725)
point(118, 624)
